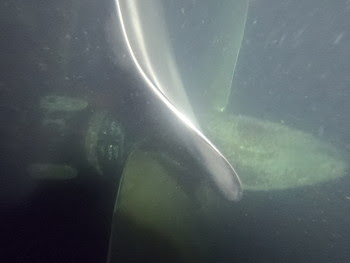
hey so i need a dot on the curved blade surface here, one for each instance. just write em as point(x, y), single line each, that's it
point(145, 34)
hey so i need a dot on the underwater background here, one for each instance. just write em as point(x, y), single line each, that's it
point(292, 70)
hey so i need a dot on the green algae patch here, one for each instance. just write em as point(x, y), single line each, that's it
point(51, 171)
point(62, 103)
point(270, 155)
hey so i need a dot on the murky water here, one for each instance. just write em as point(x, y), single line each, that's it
point(80, 129)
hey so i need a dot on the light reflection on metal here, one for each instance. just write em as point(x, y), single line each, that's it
point(221, 171)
